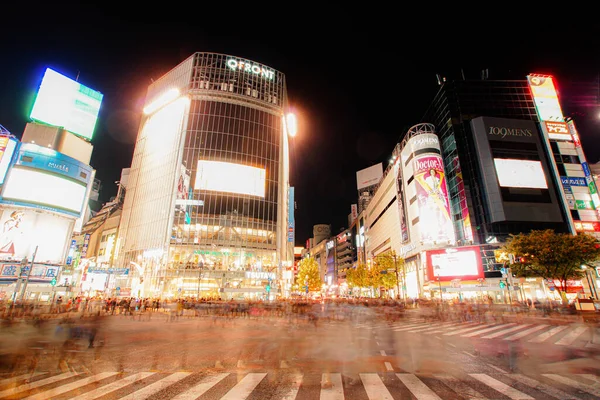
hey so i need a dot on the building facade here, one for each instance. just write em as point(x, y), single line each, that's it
point(206, 211)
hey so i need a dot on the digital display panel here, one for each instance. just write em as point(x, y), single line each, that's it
point(545, 98)
point(28, 186)
point(457, 263)
point(227, 177)
point(520, 173)
point(64, 102)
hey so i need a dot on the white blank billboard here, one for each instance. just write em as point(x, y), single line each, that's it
point(520, 173)
point(227, 177)
point(33, 186)
point(369, 176)
point(459, 263)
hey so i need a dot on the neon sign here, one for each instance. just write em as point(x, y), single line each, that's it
point(247, 66)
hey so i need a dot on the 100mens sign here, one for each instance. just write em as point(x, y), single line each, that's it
point(503, 131)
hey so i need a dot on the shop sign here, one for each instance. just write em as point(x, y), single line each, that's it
point(260, 275)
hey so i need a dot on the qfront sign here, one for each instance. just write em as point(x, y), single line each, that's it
point(249, 67)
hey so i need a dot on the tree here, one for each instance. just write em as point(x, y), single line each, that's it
point(551, 255)
point(308, 272)
point(393, 266)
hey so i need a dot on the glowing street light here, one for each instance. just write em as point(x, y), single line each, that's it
point(291, 124)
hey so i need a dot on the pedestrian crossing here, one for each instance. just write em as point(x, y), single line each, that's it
point(185, 385)
point(563, 335)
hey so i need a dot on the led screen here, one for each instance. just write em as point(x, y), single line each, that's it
point(231, 178)
point(44, 189)
point(24, 230)
point(63, 102)
point(455, 264)
point(520, 173)
point(6, 152)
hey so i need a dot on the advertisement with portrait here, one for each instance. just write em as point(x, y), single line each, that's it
point(456, 263)
point(183, 188)
point(22, 230)
point(435, 223)
point(464, 208)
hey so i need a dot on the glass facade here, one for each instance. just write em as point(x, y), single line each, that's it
point(452, 109)
point(206, 207)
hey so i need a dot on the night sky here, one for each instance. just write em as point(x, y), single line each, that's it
point(357, 77)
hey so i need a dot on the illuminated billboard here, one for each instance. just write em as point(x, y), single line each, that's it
point(7, 150)
point(520, 173)
point(64, 102)
point(369, 176)
point(23, 230)
point(228, 177)
point(457, 263)
point(45, 190)
point(435, 223)
point(545, 98)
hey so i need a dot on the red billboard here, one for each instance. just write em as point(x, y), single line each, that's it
point(462, 263)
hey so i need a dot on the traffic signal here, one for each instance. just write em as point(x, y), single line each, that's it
point(522, 260)
point(268, 288)
point(502, 285)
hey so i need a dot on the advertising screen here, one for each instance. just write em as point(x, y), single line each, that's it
point(545, 98)
point(7, 149)
point(64, 102)
point(369, 176)
point(458, 263)
point(26, 186)
point(23, 230)
point(435, 223)
point(227, 177)
point(520, 173)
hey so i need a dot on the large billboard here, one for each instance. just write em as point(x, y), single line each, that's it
point(526, 174)
point(228, 177)
point(464, 207)
point(435, 222)
point(454, 263)
point(23, 230)
point(64, 102)
point(545, 98)
point(369, 176)
point(7, 150)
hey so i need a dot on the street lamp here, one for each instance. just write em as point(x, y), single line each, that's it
point(437, 270)
point(291, 124)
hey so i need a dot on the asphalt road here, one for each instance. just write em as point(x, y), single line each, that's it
point(363, 357)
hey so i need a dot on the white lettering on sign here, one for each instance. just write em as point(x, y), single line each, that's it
point(61, 167)
point(247, 66)
point(260, 275)
point(502, 131)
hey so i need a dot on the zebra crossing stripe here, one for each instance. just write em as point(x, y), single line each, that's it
point(463, 330)
point(591, 377)
point(113, 387)
point(336, 391)
point(14, 379)
point(405, 325)
point(36, 384)
point(479, 332)
point(571, 336)
point(417, 387)
point(204, 386)
point(156, 386)
point(546, 335)
point(434, 328)
point(460, 387)
point(501, 387)
point(411, 327)
point(460, 326)
point(542, 387)
point(242, 390)
point(292, 392)
point(49, 394)
point(526, 332)
point(505, 331)
point(374, 387)
point(577, 385)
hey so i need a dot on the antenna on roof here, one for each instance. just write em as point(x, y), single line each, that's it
point(462, 73)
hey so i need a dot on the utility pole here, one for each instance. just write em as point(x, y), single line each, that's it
point(28, 273)
point(397, 278)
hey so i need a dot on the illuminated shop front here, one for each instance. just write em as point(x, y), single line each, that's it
point(207, 201)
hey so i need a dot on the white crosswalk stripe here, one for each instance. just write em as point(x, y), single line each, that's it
point(570, 337)
point(377, 386)
point(482, 331)
point(504, 332)
point(526, 332)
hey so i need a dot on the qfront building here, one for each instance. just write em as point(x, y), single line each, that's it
point(207, 207)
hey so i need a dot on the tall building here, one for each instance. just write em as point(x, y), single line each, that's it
point(207, 205)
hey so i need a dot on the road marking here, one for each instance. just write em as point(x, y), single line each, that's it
point(546, 335)
point(479, 332)
point(459, 331)
point(570, 382)
point(377, 343)
point(292, 392)
point(437, 337)
point(504, 331)
point(451, 344)
point(526, 332)
point(36, 384)
point(70, 386)
point(460, 387)
point(156, 386)
point(417, 388)
point(201, 388)
point(571, 336)
point(469, 354)
point(383, 353)
point(14, 379)
point(121, 383)
point(336, 391)
point(374, 387)
point(590, 377)
point(388, 366)
point(501, 387)
point(542, 387)
point(497, 368)
point(434, 328)
point(242, 390)
point(407, 328)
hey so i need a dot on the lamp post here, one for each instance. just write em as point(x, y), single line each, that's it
point(437, 269)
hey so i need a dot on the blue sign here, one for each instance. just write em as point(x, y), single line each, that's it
point(586, 169)
point(291, 221)
point(573, 181)
point(39, 157)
